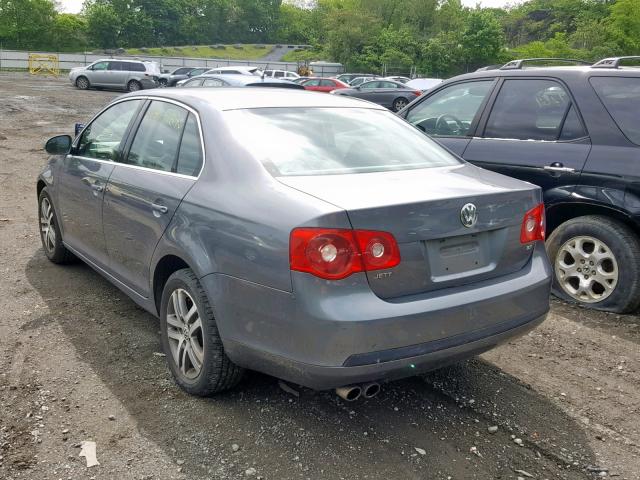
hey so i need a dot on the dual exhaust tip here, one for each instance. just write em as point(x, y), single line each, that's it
point(351, 393)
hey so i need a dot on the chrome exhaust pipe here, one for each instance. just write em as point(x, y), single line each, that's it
point(349, 393)
point(370, 390)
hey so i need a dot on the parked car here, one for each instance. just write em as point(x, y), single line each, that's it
point(227, 80)
point(399, 79)
point(182, 73)
point(284, 74)
point(300, 79)
point(360, 80)
point(318, 239)
point(131, 75)
point(423, 84)
point(574, 131)
point(326, 85)
point(387, 93)
point(348, 77)
point(239, 70)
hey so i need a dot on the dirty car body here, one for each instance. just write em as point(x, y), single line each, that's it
point(334, 243)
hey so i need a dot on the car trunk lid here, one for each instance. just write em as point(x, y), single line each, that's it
point(422, 209)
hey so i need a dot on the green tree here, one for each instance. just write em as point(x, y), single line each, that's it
point(26, 24)
point(69, 32)
point(482, 39)
point(103, 23)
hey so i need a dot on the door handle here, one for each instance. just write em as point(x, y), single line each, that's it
point(97, 187)
point(559, 168)
point(159, 208)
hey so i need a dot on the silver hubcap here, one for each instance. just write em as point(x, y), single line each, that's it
point(586, 269)
point(184, 329)
point(134, 87)
point(46, 225)
point(82, 83)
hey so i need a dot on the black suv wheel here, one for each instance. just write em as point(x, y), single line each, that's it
point(595, 261)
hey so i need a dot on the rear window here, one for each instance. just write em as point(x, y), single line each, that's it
point(330, 141)
point(621, 97)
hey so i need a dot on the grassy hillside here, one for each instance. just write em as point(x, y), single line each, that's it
point(233, 52)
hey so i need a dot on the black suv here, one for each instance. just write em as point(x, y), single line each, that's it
point(575, 132)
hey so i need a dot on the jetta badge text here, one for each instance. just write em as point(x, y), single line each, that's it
point(469, 215)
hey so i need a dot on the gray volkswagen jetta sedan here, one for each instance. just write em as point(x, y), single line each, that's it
point(318, 239)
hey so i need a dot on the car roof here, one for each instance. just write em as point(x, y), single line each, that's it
point(559, 72)
point(222, 99)
point(239, 67)
point(242, 79)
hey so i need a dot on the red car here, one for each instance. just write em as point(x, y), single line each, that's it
point(318, 84)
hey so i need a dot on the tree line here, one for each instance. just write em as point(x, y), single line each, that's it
point(438, 37)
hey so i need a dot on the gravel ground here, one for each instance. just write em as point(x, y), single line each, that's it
point(79, 361)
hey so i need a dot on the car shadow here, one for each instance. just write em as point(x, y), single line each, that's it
point(422, 427)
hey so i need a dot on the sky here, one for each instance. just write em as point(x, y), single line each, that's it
point(74, 6)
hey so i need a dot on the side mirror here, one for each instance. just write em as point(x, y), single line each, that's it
point(60, 145)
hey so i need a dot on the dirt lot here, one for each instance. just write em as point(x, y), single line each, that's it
point(78, 361)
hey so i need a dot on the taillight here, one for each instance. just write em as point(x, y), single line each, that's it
point(417, 93)
point(533, 225)
point(334, 254)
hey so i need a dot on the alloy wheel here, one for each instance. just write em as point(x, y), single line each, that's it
point(134, 86)
point(400, 103)
point(586, 269)
point(82, 83)
point(184, 331)
point(47, 225)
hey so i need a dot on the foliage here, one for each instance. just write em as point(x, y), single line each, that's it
point(247, 52)
point(438, 37)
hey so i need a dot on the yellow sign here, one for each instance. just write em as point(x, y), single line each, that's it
point(40, 64)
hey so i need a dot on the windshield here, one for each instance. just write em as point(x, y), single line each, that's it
point(329, 141)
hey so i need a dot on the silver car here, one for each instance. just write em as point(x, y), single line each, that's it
point(316, 238)
point(131, 75)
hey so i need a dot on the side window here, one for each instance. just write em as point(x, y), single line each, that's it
point(213, 82)
point(312, 83)
point(327, 83)
point(190, 156)
point(572, 127)
point(103, 138)
point(135, 67)
point(621, 98)
point(450, 111)
point(181, 71)
point(100, 66)
point(158, 137)
point(197, 71)
point(278, 74)
point(117, 66)
point(387, 85)
point(370, 85)
point(528, 110)
point(196, 82)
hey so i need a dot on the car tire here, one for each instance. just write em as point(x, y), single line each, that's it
point(49, 229)
point(134, 86)
point(163, 82)
point(399, 103)
point(82, 83)
point(190, 339)
point(609, 251)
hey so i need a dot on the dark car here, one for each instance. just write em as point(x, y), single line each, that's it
point(392, 95)
point(316, 238)
point(182, 73)
point(574, 131)
point(228, 80)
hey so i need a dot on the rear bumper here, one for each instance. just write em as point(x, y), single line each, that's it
point(330, 334)
point(320, 377)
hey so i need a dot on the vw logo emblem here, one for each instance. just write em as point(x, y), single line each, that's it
point(469, 215)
